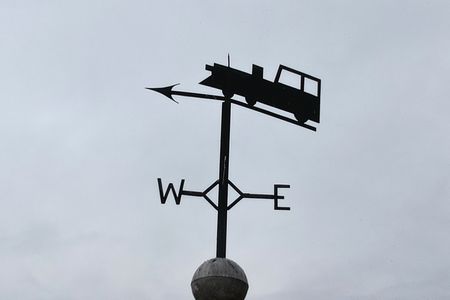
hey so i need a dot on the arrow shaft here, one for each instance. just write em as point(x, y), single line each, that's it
point(169, 92)
point(260, 110)
point(198, 95)
point(272, 114)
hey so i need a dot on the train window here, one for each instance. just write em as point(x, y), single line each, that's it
point(290, 79)
point(311, 87)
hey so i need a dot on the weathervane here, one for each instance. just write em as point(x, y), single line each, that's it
point(302, 101)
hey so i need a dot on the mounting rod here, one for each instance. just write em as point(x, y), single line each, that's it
point(223, 180)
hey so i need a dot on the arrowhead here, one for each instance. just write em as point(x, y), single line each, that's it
point(166, 91)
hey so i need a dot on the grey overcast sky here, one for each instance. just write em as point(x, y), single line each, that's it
point(82, 144)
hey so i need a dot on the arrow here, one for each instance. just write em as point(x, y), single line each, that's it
point(169, 93)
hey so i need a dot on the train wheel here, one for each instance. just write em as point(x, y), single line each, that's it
point(250, 101)
point(301, 118)
point(227, 93)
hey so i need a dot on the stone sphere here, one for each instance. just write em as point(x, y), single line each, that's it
point(219, 279)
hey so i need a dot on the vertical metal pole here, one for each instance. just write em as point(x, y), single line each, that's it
point(223, 180)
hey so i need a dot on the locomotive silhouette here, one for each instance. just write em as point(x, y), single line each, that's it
point(305, 105)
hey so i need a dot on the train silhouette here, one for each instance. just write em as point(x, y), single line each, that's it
point(305, 105)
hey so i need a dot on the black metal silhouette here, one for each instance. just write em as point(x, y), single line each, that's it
point(183, 192)
point(254, 88)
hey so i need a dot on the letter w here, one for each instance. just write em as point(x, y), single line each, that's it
point(170, 187)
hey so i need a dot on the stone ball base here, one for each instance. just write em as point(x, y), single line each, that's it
point(219, 279)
